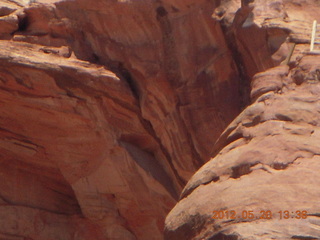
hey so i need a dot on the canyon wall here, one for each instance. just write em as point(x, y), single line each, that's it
point(108, 108)
point(262, 182)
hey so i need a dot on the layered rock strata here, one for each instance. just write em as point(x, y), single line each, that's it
point(105, 108)
point(263, 182)
point(266, 161)
point(109, 107)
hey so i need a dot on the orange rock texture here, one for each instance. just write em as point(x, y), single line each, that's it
point(108, 107)
point(262, 180)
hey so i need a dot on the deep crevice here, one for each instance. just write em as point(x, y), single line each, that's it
point(125, 74)
point(244, 80)
point(173, 74)
point(129, 79)
point(151, 131)
point(23, 23)
point(147, 161)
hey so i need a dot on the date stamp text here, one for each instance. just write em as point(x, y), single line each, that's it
point(263, 214)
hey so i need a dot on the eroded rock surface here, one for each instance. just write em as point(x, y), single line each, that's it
point(105, 111)
point(269, 163)
point(107, 108)
point(267, 158)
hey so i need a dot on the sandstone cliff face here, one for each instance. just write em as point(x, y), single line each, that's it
point(109, 107)
point(266, 160)
point(269, 163)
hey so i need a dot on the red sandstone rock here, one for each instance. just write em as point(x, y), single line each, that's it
point(114, 149)
point(267, 158)
point(107, 108)
point(269, 162)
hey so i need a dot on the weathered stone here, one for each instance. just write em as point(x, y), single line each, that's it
point(107, 108)
point(269, 163)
